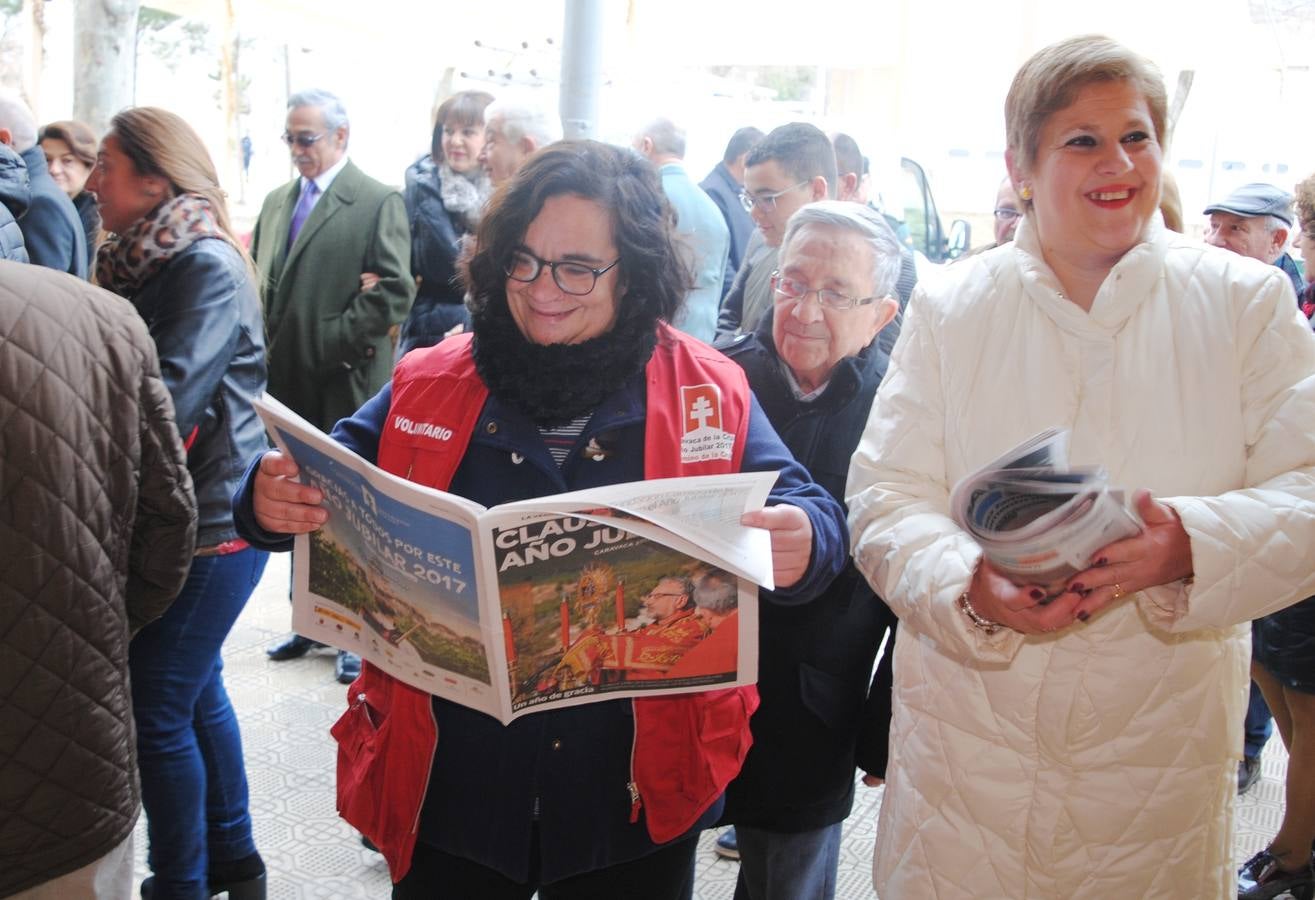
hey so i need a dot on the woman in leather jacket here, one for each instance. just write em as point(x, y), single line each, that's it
point(173, 254)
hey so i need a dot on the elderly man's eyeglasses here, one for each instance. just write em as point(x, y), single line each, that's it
point(1006, 214)
point(572, 277)
point(798, 292)
point(302, 139)
point(765, 202)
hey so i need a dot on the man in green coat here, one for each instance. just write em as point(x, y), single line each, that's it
point(334, 252)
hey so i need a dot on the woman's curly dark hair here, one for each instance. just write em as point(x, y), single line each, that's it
point(653, 279)
point(1306, 206)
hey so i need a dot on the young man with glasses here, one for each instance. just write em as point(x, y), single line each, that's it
point(814, 364)
point(334, 253)
point(792, 166)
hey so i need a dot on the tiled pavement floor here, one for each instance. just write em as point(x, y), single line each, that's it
point(286, 710)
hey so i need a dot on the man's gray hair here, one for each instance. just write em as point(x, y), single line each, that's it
point(862, 220)
point(716, 592)
point(668, 138)
point(16, 117)
point(1274, 223)
point(522, 120)
point(335, 114)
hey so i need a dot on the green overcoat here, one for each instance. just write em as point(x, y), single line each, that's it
point(329, 344)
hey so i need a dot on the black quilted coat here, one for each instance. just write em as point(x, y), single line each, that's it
point(818, 718)
point(97, 527)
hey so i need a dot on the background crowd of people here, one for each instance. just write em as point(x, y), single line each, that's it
point(553, 295)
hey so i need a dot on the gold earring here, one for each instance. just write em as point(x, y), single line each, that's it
point(1025, 192)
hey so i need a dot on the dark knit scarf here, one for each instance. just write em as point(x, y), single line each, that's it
point(127, 261)
point(554, 383)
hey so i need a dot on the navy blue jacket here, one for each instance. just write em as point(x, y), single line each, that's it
point(725, 192)
point(562, 771)
point(15, 194)
point(89, 213)
point(1289, 267)
point(51, 227)
point(435, 247)
point(203, 312)
point(814, 660)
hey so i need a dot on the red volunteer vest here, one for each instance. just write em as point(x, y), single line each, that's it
point(387, 736)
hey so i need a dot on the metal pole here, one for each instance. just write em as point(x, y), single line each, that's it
point(582, 67)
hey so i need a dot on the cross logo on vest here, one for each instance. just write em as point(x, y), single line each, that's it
point(704, 439)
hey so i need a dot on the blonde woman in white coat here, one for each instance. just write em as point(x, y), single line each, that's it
point(1087, 747)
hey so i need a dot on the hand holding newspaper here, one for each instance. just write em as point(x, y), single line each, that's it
point(1037, 519)
point(547, 602)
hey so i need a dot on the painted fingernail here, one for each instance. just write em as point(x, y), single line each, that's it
point(1038, 594)
point(1102, 561)
point(1083, 615)
point(1077, 588)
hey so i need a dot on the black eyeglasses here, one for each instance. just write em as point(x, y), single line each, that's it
point(302, 139)
point(798, 292)
point(1005, 214)
point(572, 277)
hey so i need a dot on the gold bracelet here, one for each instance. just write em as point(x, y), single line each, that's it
point(986, 625)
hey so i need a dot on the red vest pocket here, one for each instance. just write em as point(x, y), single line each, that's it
point(381, 782)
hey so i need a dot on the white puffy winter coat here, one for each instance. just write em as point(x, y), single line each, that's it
point(1099, 761)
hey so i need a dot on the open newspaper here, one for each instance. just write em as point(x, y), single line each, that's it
point(1037, 519)
point(548, 602)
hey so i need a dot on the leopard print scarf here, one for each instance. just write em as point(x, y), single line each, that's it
point(127, 261)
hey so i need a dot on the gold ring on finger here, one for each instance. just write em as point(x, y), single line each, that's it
point(1118, 591)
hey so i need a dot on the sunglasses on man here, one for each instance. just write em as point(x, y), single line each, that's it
point(302, 139)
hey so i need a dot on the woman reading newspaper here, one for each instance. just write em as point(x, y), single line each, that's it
point(570, 379)
point(1086, 746)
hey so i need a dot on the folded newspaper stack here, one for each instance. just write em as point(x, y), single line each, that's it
point(1037, 519)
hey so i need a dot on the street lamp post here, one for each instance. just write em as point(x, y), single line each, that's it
point(582, 67)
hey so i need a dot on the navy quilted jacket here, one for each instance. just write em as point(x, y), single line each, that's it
point(52, 230)
point(15, 194)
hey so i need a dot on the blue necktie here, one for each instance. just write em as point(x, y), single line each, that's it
point(302, 212)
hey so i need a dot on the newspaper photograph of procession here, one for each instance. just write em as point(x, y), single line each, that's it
point(631, 589)
point(1038, 519)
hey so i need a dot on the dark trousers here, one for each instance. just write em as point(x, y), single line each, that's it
point(435, 875)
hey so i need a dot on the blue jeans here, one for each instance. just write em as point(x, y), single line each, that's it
point(189, 751)
point(779, 866)
point(1259, 723)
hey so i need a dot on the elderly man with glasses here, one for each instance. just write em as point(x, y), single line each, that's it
point(334, 253)
point(814, 364)
point(793, 165)
point(1006, 215)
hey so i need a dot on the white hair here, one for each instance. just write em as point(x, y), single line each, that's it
point(668, 138)
point(335, 114)
point(716, 592)
point(858, 219)
point(16, 117)
point(520, 119)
